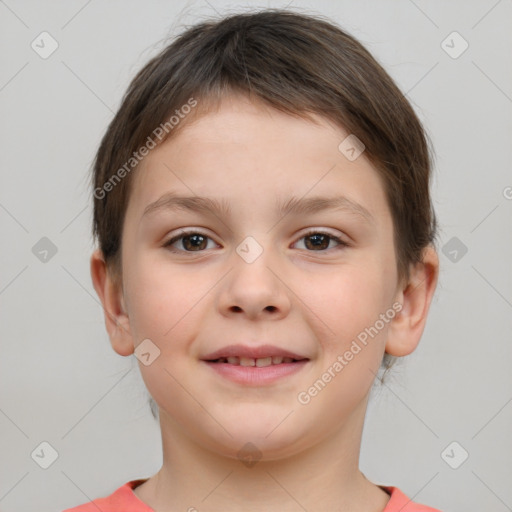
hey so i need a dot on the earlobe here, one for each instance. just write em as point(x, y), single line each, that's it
point(114, 307)
point(406, 328)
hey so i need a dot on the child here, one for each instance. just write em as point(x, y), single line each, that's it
point(266, 242)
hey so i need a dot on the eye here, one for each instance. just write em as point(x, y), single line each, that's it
point(195, 241)
point(321, 241)
point(190, 241)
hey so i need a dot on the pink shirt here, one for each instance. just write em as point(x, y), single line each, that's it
point(125, 500)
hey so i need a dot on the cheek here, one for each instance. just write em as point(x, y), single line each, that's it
point(162, 309)
point(345, 301)
point(161, 301)
point(352, 348)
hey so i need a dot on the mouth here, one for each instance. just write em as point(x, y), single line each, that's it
point(261, 371)
point(258, 356)
point(259, 362)
point(255, 366)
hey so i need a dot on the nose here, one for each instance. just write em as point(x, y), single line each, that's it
point(254, 290)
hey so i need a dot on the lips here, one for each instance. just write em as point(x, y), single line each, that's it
point(260, 362)
point(260, 356)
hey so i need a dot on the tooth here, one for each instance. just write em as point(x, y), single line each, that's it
point(247, 361)
point(277, 360)
point(287, 360)
point(233, 360)
point(263, 361)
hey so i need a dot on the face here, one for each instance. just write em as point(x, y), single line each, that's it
point(237, 268)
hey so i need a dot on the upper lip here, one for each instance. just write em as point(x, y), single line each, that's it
point(258, 352)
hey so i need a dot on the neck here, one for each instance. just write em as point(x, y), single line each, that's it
point(321, 477)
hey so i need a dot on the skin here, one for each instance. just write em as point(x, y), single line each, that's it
point(192, 303)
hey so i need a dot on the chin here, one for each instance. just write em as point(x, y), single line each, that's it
point(256, 440)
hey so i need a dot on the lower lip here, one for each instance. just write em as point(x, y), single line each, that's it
point(254, 375)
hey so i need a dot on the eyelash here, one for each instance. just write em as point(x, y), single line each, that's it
point(341, 243)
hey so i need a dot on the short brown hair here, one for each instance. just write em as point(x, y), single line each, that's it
point(299, 64)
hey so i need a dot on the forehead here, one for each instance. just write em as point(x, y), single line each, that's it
point(243, 149)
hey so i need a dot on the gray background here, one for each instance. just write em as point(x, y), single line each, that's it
point(61, 382)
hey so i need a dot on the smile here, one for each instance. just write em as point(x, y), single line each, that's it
point(258, 372)
point(259, 362)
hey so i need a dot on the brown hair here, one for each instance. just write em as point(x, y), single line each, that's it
point(299, 64)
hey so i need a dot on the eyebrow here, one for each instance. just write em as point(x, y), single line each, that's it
point(294, 205)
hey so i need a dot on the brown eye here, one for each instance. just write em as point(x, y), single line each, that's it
point(188, 242)
point(321, 242)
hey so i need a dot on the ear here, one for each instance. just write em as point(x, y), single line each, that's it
point(407, 326)
point(114, 308)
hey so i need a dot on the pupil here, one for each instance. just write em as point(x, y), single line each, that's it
point(318, 241)
point(197, 242)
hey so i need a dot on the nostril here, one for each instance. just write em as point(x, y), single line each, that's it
point(270, 308)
